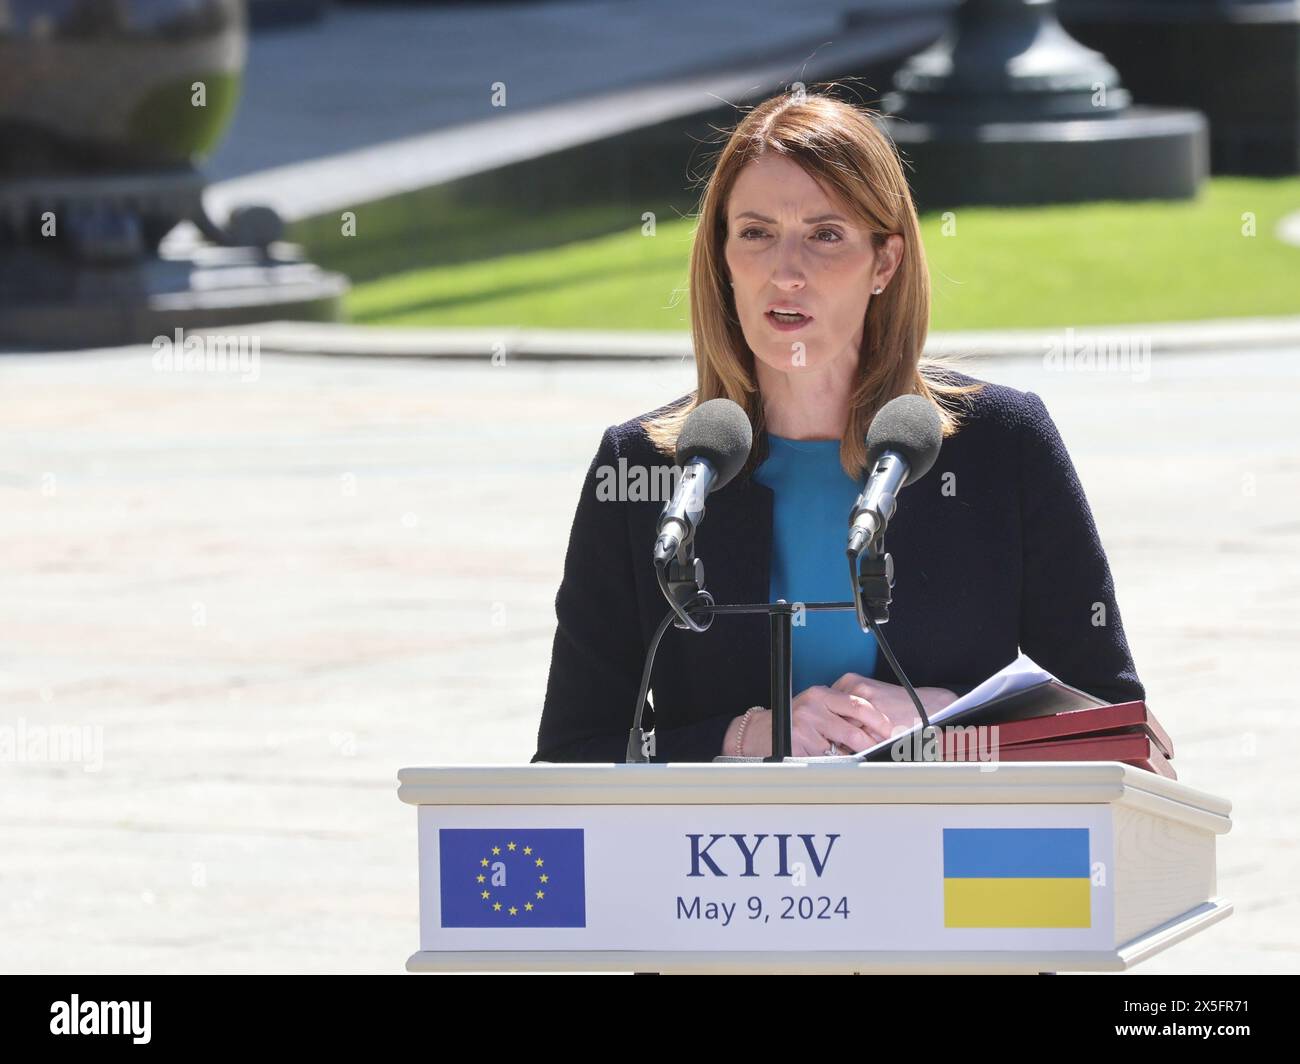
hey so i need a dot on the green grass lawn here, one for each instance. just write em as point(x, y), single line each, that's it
point(993, 268)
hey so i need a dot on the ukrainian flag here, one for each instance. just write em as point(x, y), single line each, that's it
point(1016, 877)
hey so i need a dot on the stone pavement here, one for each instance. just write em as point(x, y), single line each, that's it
point(269, 595)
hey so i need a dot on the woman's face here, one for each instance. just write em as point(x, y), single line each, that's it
point(791, 246)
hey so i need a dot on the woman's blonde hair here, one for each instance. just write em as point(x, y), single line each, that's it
point(839, 144)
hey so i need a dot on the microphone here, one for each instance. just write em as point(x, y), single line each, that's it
point(902, 444)
point(712, 448)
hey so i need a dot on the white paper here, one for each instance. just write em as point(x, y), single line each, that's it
point(1019, 674)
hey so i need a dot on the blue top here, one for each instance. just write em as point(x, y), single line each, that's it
point(812, 498)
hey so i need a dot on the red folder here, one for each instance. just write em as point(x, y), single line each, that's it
point(1048, 721)
point(1120, 718)
point(1133, 748)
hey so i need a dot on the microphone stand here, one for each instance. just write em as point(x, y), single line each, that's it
point(871, 575)
point(640, 748)
point(681, 579)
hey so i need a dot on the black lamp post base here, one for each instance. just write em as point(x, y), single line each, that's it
point(1007, 108)
point(1146, 153)
point(54, 302)
point(1239, 63)
point(84, 262)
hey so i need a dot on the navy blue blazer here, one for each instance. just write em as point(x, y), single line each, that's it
point(1005, 558)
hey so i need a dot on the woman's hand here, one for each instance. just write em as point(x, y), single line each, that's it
point(855, 713)
point(818, 716)
point(893, 702)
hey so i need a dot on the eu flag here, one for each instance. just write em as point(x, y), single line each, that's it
point(512, 877)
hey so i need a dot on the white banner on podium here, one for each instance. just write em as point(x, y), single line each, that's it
point(766, 877)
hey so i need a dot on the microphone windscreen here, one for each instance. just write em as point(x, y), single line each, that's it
point(910, 426)
point(719, 432)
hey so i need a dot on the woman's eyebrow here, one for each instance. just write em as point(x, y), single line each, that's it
point(807, 221)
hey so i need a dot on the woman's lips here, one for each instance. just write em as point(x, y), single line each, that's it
point(787, 326)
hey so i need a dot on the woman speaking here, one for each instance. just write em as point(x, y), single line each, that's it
point(810, 304)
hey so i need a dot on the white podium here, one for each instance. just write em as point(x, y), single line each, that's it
point(805, 867)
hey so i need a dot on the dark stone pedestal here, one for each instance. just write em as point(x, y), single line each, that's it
point(1149, 153)
point(1238, 62)
point(80, 264)
point(1009, 109)
point(57, 303)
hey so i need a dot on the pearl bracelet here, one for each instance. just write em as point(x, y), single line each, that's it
point(740, 732)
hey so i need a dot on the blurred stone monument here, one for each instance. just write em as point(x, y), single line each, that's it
point(1007, 108)
point(1236, 60)
point(106, 106)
